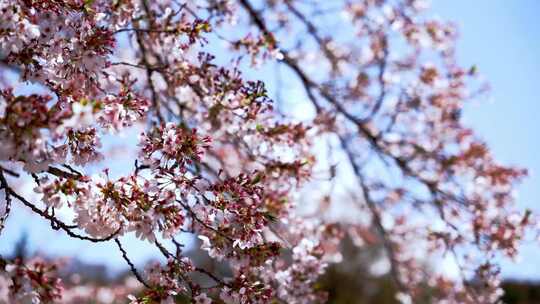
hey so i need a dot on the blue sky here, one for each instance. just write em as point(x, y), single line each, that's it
point(502, 38)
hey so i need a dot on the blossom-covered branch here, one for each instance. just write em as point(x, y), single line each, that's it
point(379, 104)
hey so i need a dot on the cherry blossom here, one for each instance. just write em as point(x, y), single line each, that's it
point(368, 144)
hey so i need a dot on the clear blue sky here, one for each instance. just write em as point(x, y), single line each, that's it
point(502, 38)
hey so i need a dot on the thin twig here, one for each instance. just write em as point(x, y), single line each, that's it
point(10, 172)
point(131, 266)
point(141, 30)
point(7, 196)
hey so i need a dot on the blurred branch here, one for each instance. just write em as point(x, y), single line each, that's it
point(7, 198)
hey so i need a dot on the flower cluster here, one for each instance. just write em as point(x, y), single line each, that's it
point(33, 281)
point(172, 146)
point(23, 123)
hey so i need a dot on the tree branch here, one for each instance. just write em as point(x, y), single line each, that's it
point(131, 266)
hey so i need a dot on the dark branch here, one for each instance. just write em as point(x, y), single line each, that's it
point(131, 266)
